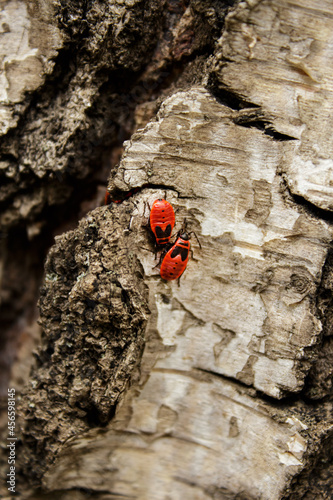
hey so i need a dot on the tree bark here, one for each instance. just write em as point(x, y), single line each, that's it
point(219, 387)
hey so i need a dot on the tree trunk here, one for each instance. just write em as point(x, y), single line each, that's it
point(219, 386)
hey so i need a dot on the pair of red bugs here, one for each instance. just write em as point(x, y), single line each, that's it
point(162, 221)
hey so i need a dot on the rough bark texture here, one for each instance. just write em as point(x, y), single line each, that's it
point(220, 388)
point(262, 255)
point(90, 74)
point(99, 332)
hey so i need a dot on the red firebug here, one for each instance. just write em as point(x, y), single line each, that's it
point(162, 221)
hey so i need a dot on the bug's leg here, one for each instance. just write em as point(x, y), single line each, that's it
point(195, 234)
point(175, 236)
point(192, 255)
point(163, 254)
point(147, 249)
point(183, 227)
point(178, 280)
point(159, 262)
point(181, 276)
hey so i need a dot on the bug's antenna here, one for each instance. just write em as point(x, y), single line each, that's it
point(195, 234)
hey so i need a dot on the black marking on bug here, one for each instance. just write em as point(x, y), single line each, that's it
point(163, 234)
point(179, 250)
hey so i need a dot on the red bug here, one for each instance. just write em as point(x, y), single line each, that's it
point(176, 259)
point(128, 194)
point(162, 221)
point(107, 198)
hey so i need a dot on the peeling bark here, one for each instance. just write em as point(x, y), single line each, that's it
point(261, 258)
point(289, 79)
point(90, 73)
